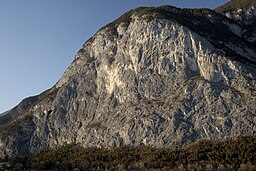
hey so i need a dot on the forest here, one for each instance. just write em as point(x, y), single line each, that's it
point(231, 154)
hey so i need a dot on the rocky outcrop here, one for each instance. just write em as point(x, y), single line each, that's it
point(156, 76)
point(244, 12)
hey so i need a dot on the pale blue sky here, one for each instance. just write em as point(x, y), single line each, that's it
point(39, 38)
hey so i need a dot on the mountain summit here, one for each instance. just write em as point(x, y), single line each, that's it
point(160, 76)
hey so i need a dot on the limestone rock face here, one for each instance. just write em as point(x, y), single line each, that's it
point(149, 78)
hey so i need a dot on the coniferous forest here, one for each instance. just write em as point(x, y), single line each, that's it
point(230, 154)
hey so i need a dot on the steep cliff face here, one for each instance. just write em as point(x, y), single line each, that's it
point(156, 76)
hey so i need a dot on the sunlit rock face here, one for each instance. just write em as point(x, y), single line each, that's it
point(149, 80)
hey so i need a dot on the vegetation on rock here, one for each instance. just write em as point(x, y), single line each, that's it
point(235, 5)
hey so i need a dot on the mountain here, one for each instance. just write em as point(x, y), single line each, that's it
point(161, 77)
point(237, 5)
point(1, 114)
point(10, 115)
point(244, 12)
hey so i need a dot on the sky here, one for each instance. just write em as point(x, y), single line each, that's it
point(39, 38)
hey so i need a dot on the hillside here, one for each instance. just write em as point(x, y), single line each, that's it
point(160, 77)
point(244, 12)
point(234, 5)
